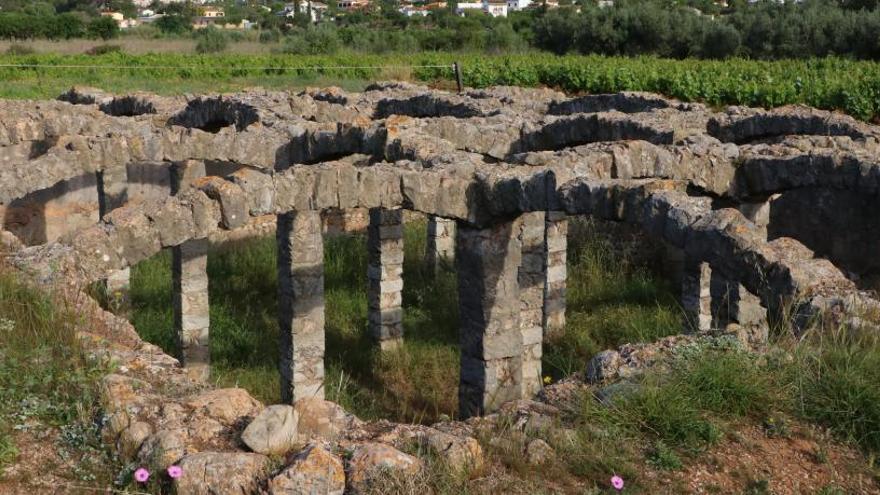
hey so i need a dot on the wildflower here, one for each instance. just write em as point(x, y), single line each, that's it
point(548, 380)
point(617, 482)
point(141, 475)
point(175, 472)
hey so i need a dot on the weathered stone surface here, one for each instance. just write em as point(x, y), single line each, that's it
point(131, 439)
point(322, 420)
point(385, 277)
point(603, 366)
point(215, 473)
point(273, 431)
point(313, 471)
point(226, 405)
point(301, 305)
point(371, 459)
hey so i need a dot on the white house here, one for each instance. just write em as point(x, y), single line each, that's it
point(317, 12)
point(514, 5)
point(495, 8)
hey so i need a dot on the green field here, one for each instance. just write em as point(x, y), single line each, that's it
point(830, 83)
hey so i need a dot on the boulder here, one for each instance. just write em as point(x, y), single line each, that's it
point(321, 419)
point(603, 366)
point(226, 405)
point(273, 431)
point(163, 448)
point(131, 439)
point(215, 473)
point(461, 453)
point(314, 470)
point(371, 459)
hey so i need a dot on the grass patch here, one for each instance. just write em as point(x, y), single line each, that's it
point(835, 382)
point(613, 297)
point(48, 384)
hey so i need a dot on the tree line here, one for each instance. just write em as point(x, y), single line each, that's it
point(680, 29)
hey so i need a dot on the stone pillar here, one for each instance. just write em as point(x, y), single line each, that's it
point(112, 188)
point(440, 246)
point(301, 305)
point(532, 280)
point(556, 242)
point(191, 307)
point(696, 297)
point(385, 276)
point(488, 262)
point(190, 286)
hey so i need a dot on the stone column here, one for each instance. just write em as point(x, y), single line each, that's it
point(532, 280)
point(488, 262)
point(190, 286)
point(301, 305)
point(556, 242)
point(385, 276)
point(191, 306)
point(696, 297)
point(112, 188)
point(440, 247)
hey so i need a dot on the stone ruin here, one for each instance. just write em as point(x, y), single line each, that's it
point(764, 213)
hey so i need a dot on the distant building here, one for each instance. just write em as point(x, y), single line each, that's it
point(120, 19)
point(315, 10)
point(514, 5)
point(415, 11)
point(495, 8)
point(352, 4)
point(213, 12)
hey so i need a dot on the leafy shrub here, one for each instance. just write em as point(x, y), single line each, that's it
point(211, 40)
point(322, 40)
point(270, 36)
point(102, 27)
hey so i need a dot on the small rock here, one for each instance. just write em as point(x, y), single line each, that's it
point(116, 423)
point(273, 431)
point(314, 470)
point(215, 473)
point(226, 405)
point(461, 453)
point(603, 366)
point(370, 459)
point(539, 452)
point(163, 448)
point(322, 419)
point(131, 439)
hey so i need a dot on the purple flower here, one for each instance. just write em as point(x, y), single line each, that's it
point(175, 472)
point(141, 475)
point(617, 482)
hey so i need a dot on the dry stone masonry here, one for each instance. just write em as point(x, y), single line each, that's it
point(497, 172)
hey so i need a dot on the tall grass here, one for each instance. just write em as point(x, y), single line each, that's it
point(613, 297)
point(47, 379)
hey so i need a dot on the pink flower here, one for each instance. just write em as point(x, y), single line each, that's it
point(617, 482)
point(175, 472)
point(141, 475)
